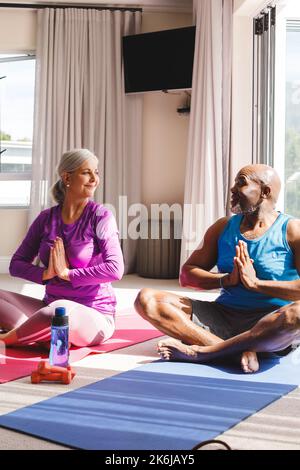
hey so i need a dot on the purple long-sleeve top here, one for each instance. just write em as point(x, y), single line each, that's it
point(93, 250)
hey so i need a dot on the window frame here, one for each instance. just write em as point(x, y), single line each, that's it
point(15, 176)
point(280, 103)
point(283, 17)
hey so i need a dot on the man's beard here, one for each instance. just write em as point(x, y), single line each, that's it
point(237, 209)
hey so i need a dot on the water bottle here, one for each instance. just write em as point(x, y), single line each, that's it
point(59, 349)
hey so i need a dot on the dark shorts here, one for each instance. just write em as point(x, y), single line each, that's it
point(225, 322)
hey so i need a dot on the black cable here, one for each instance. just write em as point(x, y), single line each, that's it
point(212, 441)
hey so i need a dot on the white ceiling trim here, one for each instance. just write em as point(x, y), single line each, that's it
point(176, 6)
point(250, 7)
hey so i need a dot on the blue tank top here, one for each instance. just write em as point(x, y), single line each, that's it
point(273, 261)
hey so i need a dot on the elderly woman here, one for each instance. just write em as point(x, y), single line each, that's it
point(77, 240)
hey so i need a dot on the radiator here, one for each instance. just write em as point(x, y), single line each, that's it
point(159, 258)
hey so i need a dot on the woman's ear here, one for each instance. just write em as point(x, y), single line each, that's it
point(65, 178)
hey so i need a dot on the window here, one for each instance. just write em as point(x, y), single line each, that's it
point(263, 89)
point(17, 76)
point(287, 106)
point(292, 120)
point(276, 97)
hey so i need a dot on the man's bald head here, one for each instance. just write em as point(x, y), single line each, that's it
point(266, 176)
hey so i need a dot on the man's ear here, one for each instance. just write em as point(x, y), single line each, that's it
point(265, 192)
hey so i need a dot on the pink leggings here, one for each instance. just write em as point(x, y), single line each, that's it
point(32, 319)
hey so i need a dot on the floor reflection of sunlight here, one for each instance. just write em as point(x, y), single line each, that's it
point(32, 290)
point(117, 362)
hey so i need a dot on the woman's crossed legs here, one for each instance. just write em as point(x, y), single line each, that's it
point(28, 321)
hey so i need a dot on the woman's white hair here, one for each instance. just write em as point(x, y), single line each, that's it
point(70, 161)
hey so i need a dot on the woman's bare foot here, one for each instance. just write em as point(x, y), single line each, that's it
point(9, 338)
point(3, 335)
point(249, 362)
point(174, 350)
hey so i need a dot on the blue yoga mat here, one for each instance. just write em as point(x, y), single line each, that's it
point(160, 405)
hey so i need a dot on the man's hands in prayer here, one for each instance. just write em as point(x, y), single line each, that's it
point(232, 279)
point(245, 265)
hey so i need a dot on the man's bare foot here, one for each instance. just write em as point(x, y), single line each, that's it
point(174, 350)
point(249, 362)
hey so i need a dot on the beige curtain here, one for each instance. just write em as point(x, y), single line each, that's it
point(208, 159)
point(80, 103)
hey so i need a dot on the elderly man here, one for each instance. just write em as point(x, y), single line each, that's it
point(257, 252)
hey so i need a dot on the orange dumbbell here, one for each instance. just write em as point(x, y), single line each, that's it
point(36, 378)
point(47, 373)
point(45, 368)
point(64, 377)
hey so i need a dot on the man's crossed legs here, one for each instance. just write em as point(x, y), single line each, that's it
point(172, 315)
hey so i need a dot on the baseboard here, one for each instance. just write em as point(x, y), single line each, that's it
point(4, 264)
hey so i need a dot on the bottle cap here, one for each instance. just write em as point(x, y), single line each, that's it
point(60, 318)
point(60, 311)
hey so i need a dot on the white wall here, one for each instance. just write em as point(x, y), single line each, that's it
point(13, 224)
point(242, 93)
point(17, 30)
point(165, 135)
point(165, 132)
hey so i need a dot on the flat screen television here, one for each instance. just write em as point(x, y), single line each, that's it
point(162, 60)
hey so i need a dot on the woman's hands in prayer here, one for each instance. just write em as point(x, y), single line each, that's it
point(58, 264)
point(49, 273)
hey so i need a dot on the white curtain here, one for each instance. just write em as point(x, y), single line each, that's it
point(208, 160)
point(80, 103)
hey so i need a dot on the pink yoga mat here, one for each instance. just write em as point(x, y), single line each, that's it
point(130, 329)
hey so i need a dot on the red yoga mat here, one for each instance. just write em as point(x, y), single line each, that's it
point(130, 329)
